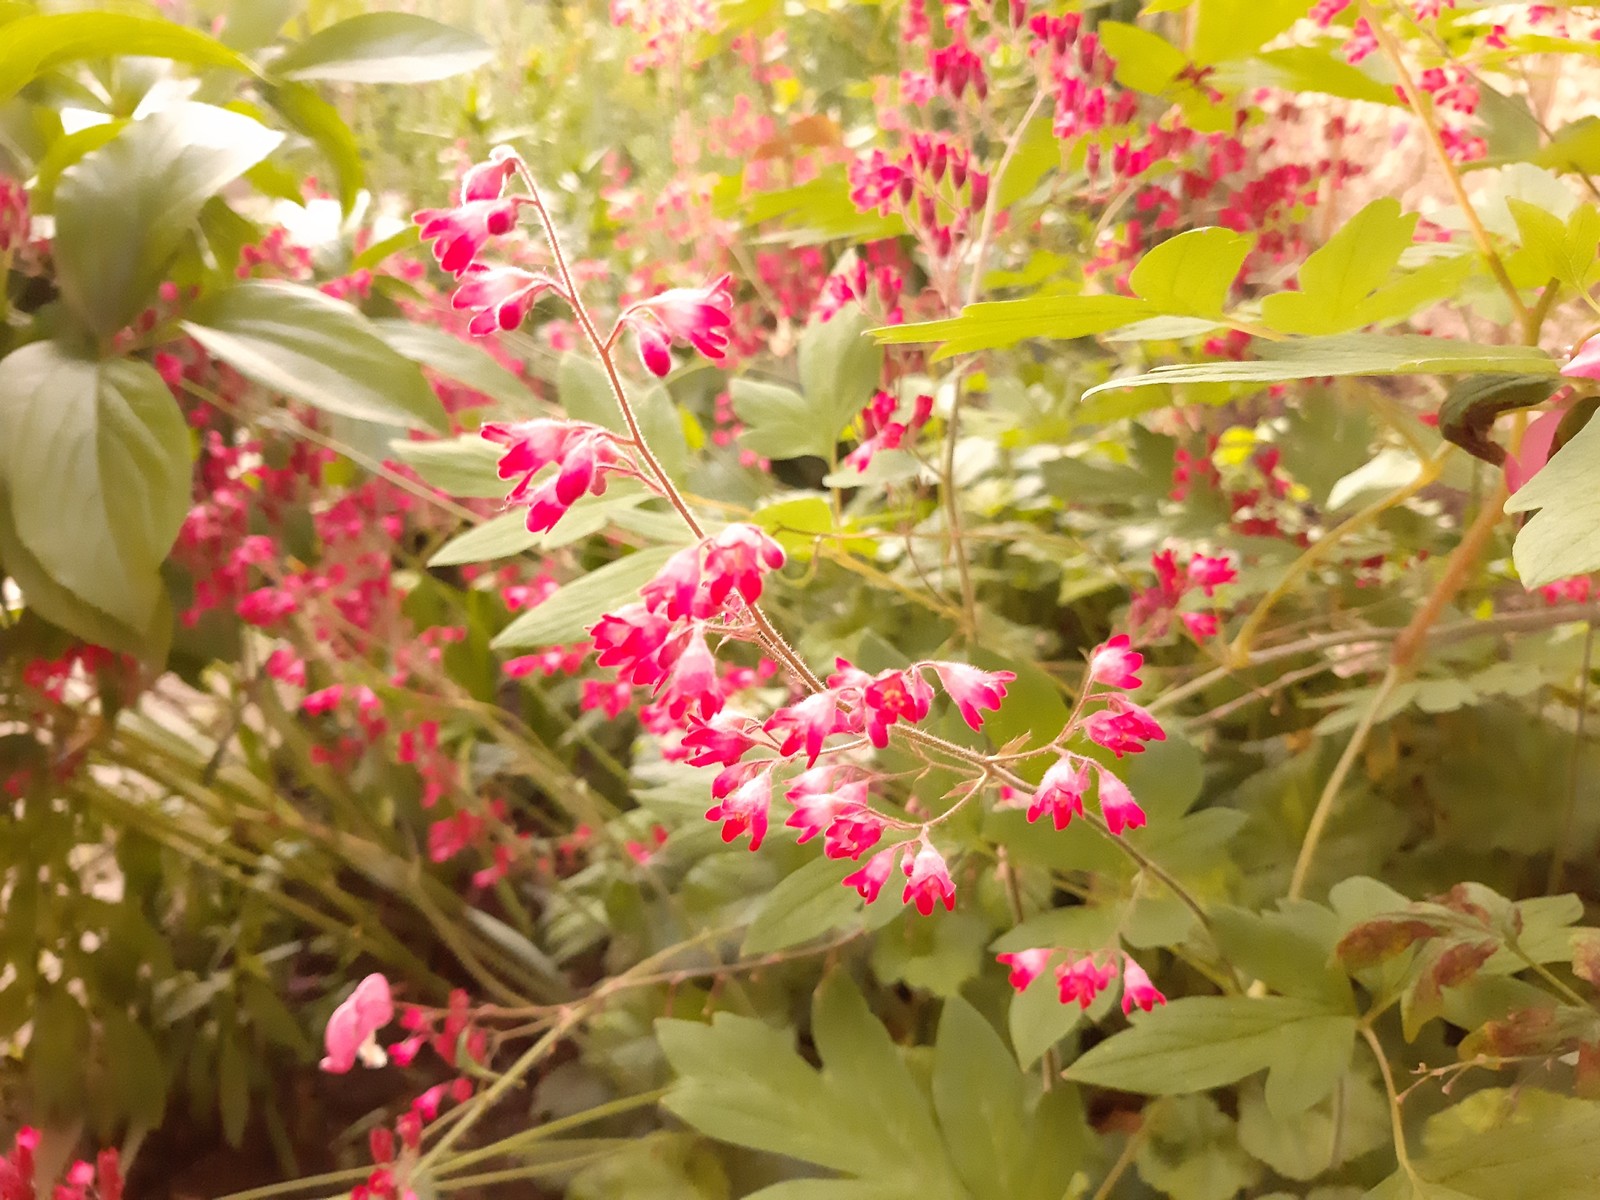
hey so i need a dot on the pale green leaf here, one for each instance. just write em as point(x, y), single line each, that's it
point(778, 421)
point(463, 361)
point(566, 615)
point(1000, 323)
point(1563, 537)
point(383, 47)
point(1339, 276)
point(840, 368)
point(467, 465)
point(1190, 274)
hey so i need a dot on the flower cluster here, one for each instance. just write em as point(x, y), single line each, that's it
point(1153, 609)
point(584, 455)
point(881, 431)
point(83, 1180)
point(1080, 979)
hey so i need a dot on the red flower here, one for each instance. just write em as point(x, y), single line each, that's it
point(1123, 727)
point(1026, 966)
point(1209, 573)
point(745, 811)
point(487, 180)
point(1082, 981)
point(636, 642)
point(500, 297)
point(1117, 804)
point(1060, 792)
point(692, 682)
point(699, 316)
point(721, 740)
point(1137, 990)
point(1114, 663)
point(927, 881)
point(971, 688)
point(895, 696)
point(735, 561)
point(459, 234)
point(674, 590)
point(869, 880)
point(808, 723)
point(1201, 625)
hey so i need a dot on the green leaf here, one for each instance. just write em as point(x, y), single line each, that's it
point(233, 1089)
point(63, 152)
point(40, 43)
point(1574, 147)
point(1349, 354)
point(1309, 69)
point(1191, 1151)
point(1514, 1144)
point(1554, 249)
point(981, 1103)
point(567, 614)
point(585, 393)
point(95, 463)
point(383, 47)
point(1563, 537)
point(1337, 281)
point(138, 1076)
point(1290, 950)
point(507, 534)
point(312, 116)
point(463, 361)
point(1190, 274)
point(1201, 1042)
point(1227, 29)
point(1468, 413)
point(840, 368)
point(1346, 1124)
point(300, 343)
point(1002, 323)
point(779, 422)
point(122, 211)
point(57, 1052)
point(806, 904)
point(1037, 1020)
point(467, 465)
point(1145, 62)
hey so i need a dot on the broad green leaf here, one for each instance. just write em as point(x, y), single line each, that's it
point(840, 368)
point(123, 210)
point(57, 1050)
point(1390, 470)
point(465, 362)
point(797, 523)
point(806, 904)
point(1200, 1042)
point(1337, 280)
point(95, 461)
point(1227, 29)
point(1190, 274)
point(1145, 61)
point(1563, 537)
point(312, 116)
point(462, 466)
point(42, 42)
point(979, 1096)
point(1190, 1151)
point(63, 152)
point(779, 422)
point(1002, 323)
point(383, 47)
point(300, 343)
point(1310, 69)
point(1574, 147)
point(1513, 1144)
point(566, 615)
point(1555, 249)
point(1349, 354)
point(1346, 1124)
point(507, 534)
point(233, 1089)
point(138, 1077)
point(1290, 950)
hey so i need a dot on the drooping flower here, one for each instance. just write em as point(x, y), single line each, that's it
point(1201, 625)
point(972, 689)
point(699, 316)
point(1060, 792)
point(676, 586)
point(869, 880)
point(1117, 804)
point(927, 881)
point(584, 454)
point(1123, 727)
point(352, 1030)
point(1115, 663)
point(1137, 990)
point(692, 681)
point(808, 723)
point(894, 696)
point(459, 234)
point(852, 833)
point(1082, 980)
point(487, 180)
point(1585, 363)
point(745, 810)
point(722, 740)
point(1026, 965)
point(1208, 573)
point(635, 641)
point(736, 559)
point(499, 297)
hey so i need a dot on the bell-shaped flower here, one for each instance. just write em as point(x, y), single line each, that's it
point(1060, 792)
point(676, 586)
point(928, 881)
point(1123, 727)
point(1082, 980)
point(498, 297)
point(699, 316)
point(869, 880)
point(736, 559)
point(972, 689)
point(692, 682)
point(1137, 990)
point(808, 723)
point(459, 234)
point(894, 696)
point(1117, 804)
point(1585, 364)
point(745, 810)
point(487, 180)
point(1026, 965)
point(1115, 663)
point(720, 741)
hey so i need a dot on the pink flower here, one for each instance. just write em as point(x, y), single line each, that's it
point(636, 642)
point(1538, 443)
point(352, 1031)
point(1209, 573)
point(1201, 625)
point(1060, 792)
point(841, 811)
point(808, 723)
point(972, 689)
point(1117, 804)
point(869, 880)
point(1123, 727)
point(487, 180)
point(735, 561)
point(266, 606)
point(1115, 662)
point(699, 316)
point(1137, 990)
point(721, 740)
point(459, 234)
point(895, 696)
point(674, 589)
point(745, 811)
point(500, 297)
point(927, 881)
point(853, 832)
point(1026, 966)
point(1083, 980)
point(1585, 364)
point(692, 682)
point(324, 700)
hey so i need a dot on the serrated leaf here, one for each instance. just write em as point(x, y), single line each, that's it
point(1190, 1151)
point(840, 368)
point(778, 421)
point(1340, 276)
point(383, 47)
point(302, 344)
point(1191, 274)
point(123, 210)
